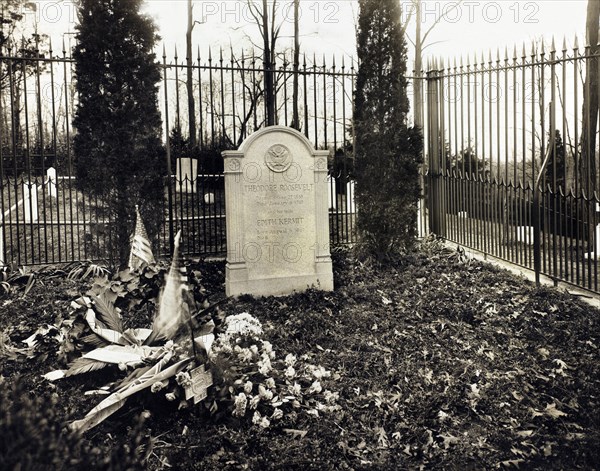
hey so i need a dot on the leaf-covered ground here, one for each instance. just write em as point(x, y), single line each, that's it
point(439, 363)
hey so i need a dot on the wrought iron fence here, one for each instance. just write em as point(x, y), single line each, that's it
point(47, 218)
point(513, 157)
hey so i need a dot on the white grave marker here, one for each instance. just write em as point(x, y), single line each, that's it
point(1, 247)
point(30, 202)
point(51, 176)
point(209, 198)
point(350, 204)
point(331, 193)
point(186, 175)
point(525, 234)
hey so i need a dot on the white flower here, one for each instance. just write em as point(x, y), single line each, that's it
point(277, 414)
point(296, 389)
point(270, 383)
point(264, 366)
point(290, 360)
point(245, 355)
point(226, 348)
point(254, 402)
point(183, 379)
point(248, 387)
point(256, 418)
point(319, 372)
point(243, 324)
point(315, 388)
point(264, 394)
point(170, 397)
point(254, 349)
point(290, 372)
point(240, 405)
point(330, 397)
point(156, 387)
point(268, 350)
point(264, 423)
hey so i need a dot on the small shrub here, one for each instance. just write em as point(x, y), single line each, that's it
point(32, 437)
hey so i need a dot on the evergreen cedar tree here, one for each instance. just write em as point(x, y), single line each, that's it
point(388, 152)
point(118, 149)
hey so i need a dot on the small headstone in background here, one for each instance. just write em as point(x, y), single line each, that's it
point(350, 204)
point(186, 175)
point(1, 246)
point(331, 192)
point(209, 198)
point(525, 234)
point(51, 178)
point(30, 202)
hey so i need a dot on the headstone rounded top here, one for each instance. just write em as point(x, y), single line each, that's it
point(274, 129)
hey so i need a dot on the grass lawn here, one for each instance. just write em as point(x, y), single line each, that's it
point(439, 363)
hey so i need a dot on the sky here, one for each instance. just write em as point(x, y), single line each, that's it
point(327, 26)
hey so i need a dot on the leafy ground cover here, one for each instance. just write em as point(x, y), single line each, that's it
point(434, 361)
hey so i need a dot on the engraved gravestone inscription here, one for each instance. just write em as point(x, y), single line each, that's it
point(277, 215)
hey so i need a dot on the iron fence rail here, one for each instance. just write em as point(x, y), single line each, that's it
point(48, 219)
point(490, 124)
point(513, 157)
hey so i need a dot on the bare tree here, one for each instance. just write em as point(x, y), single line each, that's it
point(420, 45)
point(295, 118)
point(189, 75)
point(269, 32)
point(590, 100)
point(189, 78)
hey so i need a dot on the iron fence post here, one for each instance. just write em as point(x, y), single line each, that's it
point(434, 188)
point(168, 155)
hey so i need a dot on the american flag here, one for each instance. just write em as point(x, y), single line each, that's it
point(141, 249)
point(171, 309)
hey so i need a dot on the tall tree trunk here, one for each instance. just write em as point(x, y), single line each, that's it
point(295, 117)
point(590, 113)
point(418, 86)
point(189, 79)
point(268, 66)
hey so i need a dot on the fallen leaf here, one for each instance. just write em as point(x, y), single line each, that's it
point(519, 397)
point(448, 440)
point(294, 433)
point(382, 438)
point(512, 463)
point(562, 366)
point(544, 353)
point(553, 412)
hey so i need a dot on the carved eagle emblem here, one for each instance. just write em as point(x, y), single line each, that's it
point(278, 158)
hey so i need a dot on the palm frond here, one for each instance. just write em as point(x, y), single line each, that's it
point(108, 313)
point(98, 328)
point(84, 365)
point(94, 340)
